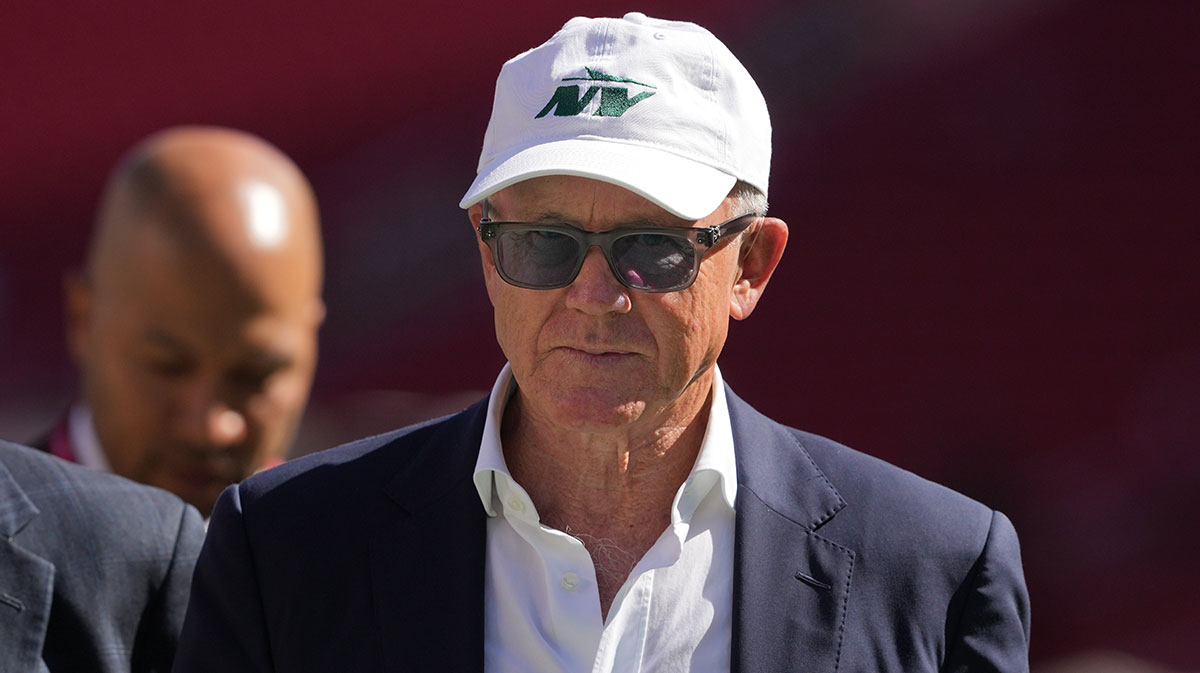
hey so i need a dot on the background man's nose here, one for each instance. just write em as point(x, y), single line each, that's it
point(206, 420)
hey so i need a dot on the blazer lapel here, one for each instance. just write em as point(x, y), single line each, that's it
point(428, 556)
point(26, 583)
point(790, 585)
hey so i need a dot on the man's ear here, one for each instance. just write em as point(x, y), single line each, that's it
point(318, 312)
point(761, 250)
point(475, 213)
point(77, 305)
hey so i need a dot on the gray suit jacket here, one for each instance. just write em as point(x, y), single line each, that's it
point(370, 557)
point(94, 569)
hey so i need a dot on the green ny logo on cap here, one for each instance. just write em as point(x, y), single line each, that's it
point(614, 100)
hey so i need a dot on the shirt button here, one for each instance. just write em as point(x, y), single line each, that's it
point(517, 504)
point(570, 581)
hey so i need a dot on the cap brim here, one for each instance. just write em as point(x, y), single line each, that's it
point(685, 188)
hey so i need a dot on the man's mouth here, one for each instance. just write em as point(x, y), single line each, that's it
point(597, 355)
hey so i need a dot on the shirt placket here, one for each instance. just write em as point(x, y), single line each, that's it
point(623, 640)
point(569, 578)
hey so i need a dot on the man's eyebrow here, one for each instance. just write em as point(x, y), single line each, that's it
point(160, 338)
point(549, 216)
point(270, 360)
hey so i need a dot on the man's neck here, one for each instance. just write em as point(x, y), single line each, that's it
point(603, 469)
point(611, 490)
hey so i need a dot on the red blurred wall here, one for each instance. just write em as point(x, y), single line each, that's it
point(990, 278)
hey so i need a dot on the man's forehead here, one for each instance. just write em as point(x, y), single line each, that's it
point(184, 290)
point(573, 198)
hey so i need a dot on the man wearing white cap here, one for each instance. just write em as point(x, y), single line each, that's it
point(612, 505)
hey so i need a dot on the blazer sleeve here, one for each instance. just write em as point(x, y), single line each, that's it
point(158, 636)
point(225, 629)
point(992, 631)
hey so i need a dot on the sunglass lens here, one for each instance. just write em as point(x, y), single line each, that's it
point(537, 258)
point(654, 261)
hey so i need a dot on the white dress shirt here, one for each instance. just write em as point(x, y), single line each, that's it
point(84, 442)
point(541, 603)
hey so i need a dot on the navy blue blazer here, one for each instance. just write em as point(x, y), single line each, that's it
point(370, 557)
point(94, 569)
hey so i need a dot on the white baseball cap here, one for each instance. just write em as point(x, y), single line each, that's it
point(661, 108)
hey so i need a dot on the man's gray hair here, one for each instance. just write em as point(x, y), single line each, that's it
point(748, 199)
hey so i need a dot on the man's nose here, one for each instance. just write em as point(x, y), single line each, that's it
point(206, 420)
point(595, 289)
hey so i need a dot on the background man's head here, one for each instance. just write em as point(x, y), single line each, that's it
point(194, 321)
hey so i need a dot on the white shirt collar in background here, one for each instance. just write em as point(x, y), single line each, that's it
point(84, 442)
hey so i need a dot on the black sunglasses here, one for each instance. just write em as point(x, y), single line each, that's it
point(545, 256)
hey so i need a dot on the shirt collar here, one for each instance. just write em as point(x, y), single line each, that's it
point(491, 455)
point(84, 440)
point(715, 464)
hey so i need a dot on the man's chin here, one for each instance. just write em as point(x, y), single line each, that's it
point(199, 488)
point(596, 410)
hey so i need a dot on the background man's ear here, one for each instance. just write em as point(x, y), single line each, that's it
point(760, 254)
point(318, 312)
point(77, 308)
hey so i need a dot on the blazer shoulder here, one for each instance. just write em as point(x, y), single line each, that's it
point(859, 472)
point(895, 513)
point(77, 502)
point(926, 555)
point(856, 471)
point(775, 456)
point(50, 479)
point(879, 501)
point(426, 454)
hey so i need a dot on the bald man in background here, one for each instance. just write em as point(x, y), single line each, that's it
point(194, 321)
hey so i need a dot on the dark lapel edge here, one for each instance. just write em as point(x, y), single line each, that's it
point(428, 555)
point(26, 582)
point(16, 509)
point(790, 585)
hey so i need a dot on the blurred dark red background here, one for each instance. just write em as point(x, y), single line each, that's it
point(991, 278)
